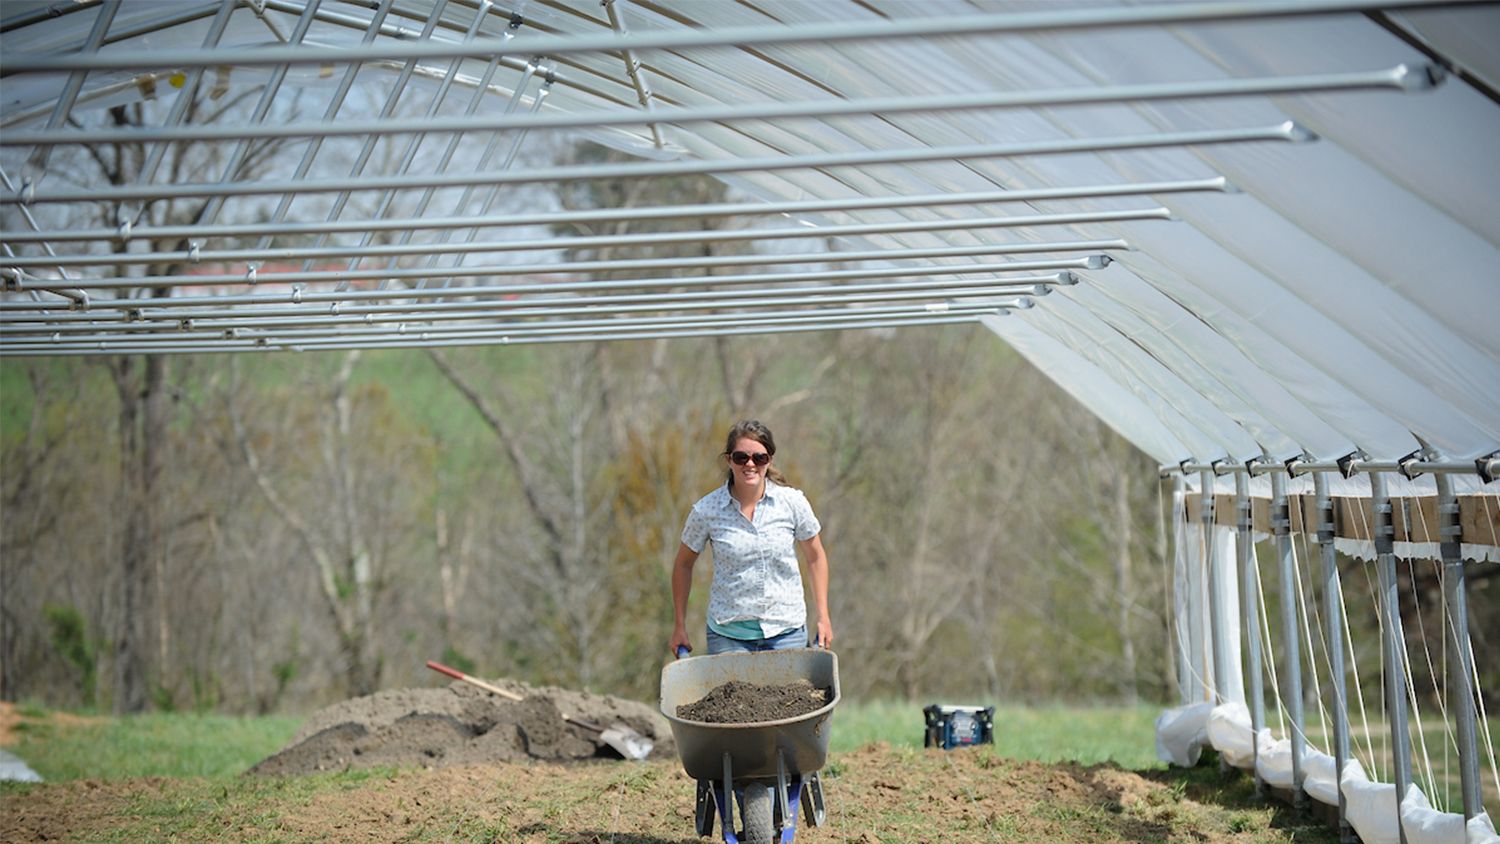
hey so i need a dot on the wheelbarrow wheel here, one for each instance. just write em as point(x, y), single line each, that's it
point(814, 813)
point(703, 817)
point(757, 812)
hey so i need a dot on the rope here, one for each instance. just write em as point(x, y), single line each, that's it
point(1265, 635)
point(1411, 695)
point(1301, 538)
point(1375, 764)
point(1440, 687)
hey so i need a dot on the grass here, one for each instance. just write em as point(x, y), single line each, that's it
point(151, 745)
point(1120, 734)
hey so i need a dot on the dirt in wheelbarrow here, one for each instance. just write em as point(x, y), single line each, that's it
point(738, 702)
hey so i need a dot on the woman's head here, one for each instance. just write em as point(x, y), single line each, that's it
point(748, 449)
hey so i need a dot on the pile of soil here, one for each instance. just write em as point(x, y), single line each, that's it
point(462, 725)
point(748, 703)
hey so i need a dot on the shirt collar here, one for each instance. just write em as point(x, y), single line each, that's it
point(729, 498)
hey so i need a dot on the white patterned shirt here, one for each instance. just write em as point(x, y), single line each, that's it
point(755, 562)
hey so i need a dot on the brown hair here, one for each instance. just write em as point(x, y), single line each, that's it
point(753, 429)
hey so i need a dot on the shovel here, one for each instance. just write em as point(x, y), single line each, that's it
point(627, 742)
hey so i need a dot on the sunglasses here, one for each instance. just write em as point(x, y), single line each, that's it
point(740, 458)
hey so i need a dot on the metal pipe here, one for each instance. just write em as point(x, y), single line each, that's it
point(336, 102)
point(45, 12)
point(753, 36)
point(413, 144)
point(1250, 618)
point(403, 248)
point(1297, 467)
point(1092, 262)
point(1215, 604)
point(1281, 527)
point(618, 265)
point(37, 162)
point(638, 80)
point(1393, 640)
point(1333, 610)
point(177, 113)
point(1023, 285)
point(1401, 77)
point(1216, 184)
point(1461, 666)
point(642, 302)
point(446, 159)
point(362, 160)
point(211, 208)
point(554, 326)
point(1287, 132)
point(76, 296)
point(419, 342)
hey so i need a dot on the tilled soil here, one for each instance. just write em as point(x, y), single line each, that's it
point(875, 795)
point(737, 702)
point(462, 725)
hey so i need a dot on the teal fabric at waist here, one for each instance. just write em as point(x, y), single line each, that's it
point(743, 630)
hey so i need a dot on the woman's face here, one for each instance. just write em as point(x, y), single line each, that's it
point(751, 473)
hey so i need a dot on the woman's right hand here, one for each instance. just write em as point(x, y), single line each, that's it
point(679, 640)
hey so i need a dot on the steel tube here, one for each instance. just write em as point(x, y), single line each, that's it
point(554, 326)
point(1333, 610)
point(69, 94)
point(1250, 618)
point(1215, 604)
point(1022, 285)
point(1288, 132)
point(1401, 77)
point(238, 346)
point(755, 36)
point(587, 267)
point(403, 249)
point(1297, 467)
point(666, 212)
point(1460, 665)
point(1393, 640)
point(446, 311)
point(1091, 262)
point(1281, 527)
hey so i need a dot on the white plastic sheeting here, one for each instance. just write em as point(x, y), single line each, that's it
point(1183, 732)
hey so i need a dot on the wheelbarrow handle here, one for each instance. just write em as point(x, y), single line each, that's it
point(682, 651)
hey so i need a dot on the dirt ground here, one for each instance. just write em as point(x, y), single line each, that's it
point(875, 794)
point(462, 725)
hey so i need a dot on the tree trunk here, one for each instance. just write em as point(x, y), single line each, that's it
point(1123, 540)
point(142, 446)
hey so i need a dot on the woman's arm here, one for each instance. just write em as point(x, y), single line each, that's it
point(682, 584)
point(817, 574)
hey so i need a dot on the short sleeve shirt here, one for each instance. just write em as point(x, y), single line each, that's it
point(755, 562)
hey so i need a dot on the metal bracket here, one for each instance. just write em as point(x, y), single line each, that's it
point(1404, 465)
point(1346, 463)
point(1485, 467)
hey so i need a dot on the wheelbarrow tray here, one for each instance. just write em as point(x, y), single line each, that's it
point(802, 741)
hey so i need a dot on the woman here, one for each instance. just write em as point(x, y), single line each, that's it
point(754, 522)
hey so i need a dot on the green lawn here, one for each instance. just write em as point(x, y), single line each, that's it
point(151, 745)
point(189, 745)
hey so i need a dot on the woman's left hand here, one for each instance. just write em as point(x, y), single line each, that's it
point(823, 638)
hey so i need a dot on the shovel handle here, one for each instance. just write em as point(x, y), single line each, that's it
point(473, 681)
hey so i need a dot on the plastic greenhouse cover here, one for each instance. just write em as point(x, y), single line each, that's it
point(1356, 314)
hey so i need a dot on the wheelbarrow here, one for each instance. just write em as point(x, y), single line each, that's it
point(769, 768)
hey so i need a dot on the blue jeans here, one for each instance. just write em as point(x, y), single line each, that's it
point(782, 641)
